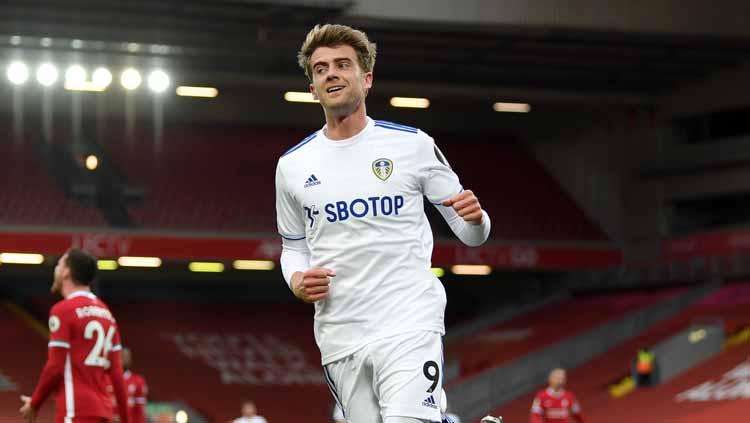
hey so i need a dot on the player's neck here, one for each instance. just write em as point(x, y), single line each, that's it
point(70, 289)
point(344, 127)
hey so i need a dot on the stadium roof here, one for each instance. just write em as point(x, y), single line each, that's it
point(254, 42)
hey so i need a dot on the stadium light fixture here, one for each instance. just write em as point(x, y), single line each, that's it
point(253, 265)
point(106, 264)
point(131, 261)
point(205, 92)
point(17, 73)
point(47, 74)
point(86, 86)
point(410, 102)
point(471, 269)
point(75, 75)
point(299, 97)
point(438, 272)
point(101, 77)
point(130, 79)
point(181, 417)
point(21, 258)
point(511, 107)
point(76, 79)
point(158, 81)
point(206, 267)
point(92, 162)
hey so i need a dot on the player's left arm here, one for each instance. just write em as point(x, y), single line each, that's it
point(575, 410)
point(139, 409)
point(460, 208)
point(466, 205)
point(116, 376)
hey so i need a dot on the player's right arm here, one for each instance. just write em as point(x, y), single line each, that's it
point(312, 284)
point(58, 347)
point(308, 284)
point(537, 412)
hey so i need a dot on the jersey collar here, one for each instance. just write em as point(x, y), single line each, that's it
point(349, 141)
point(81, 294)
point(554, 393)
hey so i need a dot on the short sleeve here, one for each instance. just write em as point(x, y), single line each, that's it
point(575, 406)
point(439, 182)
point(141, 391)
point(59, 328)
point(536, 406)
point(116, 341)
point(289, 220)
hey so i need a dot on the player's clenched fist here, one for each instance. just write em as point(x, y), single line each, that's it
point(466, 204)
point(312, 285)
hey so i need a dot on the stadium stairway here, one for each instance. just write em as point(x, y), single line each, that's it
point(721, 401)
point(474, 396)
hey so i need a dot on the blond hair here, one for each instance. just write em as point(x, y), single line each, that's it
point(330, 35)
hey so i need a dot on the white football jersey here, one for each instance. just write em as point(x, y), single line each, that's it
point(358, 203)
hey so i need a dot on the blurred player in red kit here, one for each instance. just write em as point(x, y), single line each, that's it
point(84, 350)
point(136, 388)
point(555, 404)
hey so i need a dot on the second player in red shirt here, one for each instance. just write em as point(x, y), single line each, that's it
point(83, 351)
point(556, 404)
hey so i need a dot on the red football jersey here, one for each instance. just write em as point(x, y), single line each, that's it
point(137, 389)
point(85, 329)
point(555, 407)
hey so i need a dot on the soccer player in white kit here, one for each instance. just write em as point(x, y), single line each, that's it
point(357, 243)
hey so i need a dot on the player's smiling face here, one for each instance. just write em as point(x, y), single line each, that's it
point(338, 80)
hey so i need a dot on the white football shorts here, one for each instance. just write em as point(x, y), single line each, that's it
point(399, 376)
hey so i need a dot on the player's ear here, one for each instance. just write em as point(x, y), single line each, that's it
point(312, 91)
point(367, 80)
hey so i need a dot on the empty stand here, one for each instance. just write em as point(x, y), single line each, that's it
point(22, 364)
point(31, 197)
point(731, 304)
point(524, 201)
point(211, 178)
point(212, 356)
point(543, 327)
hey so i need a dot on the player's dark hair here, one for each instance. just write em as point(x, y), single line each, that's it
point(82, 266)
